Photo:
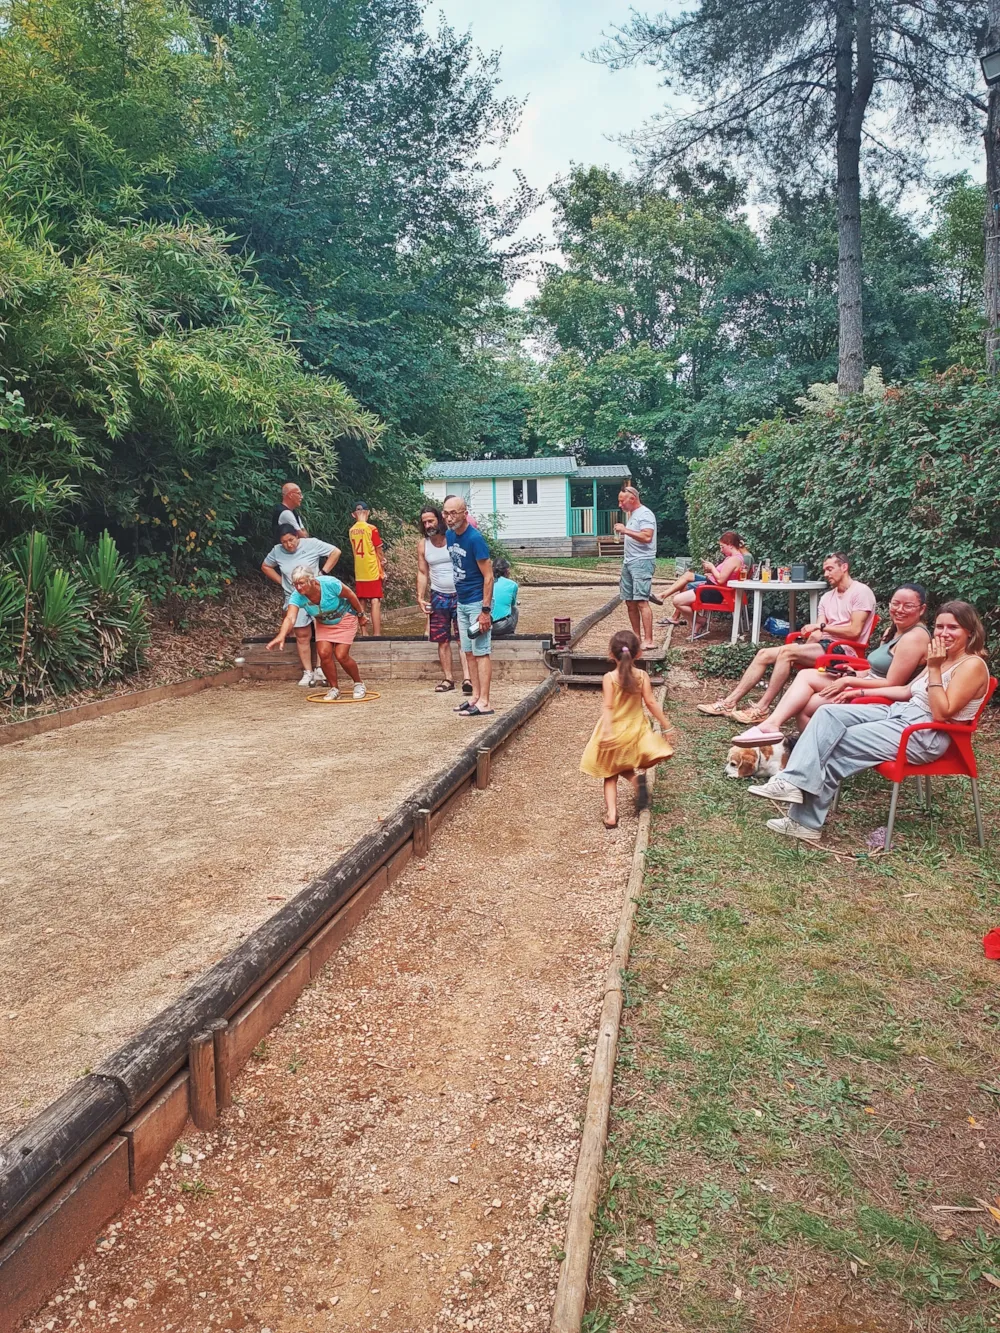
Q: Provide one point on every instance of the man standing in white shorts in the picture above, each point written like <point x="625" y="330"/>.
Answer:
<point x="638" y="563"/>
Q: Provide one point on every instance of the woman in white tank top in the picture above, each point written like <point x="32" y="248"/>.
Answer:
<point x="846" y="738"/>
<point x="436" y="596"/>
<point x="440" y="567"/>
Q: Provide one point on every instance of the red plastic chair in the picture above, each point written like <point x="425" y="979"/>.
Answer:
<point x="721" y="599"/>
<point x="958" y="760"/>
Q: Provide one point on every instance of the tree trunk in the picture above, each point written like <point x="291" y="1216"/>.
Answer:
<point x="851" y="366"/>
<point x="991" y="275"/>
<point x="854" y="81"/>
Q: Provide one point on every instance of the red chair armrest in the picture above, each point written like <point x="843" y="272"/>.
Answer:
<point x="858" y="649"/>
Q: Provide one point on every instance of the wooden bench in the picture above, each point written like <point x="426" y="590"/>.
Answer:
<point x="609" y="546"/>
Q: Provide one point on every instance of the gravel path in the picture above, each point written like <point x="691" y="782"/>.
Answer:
<point x="400" y="1154"/>
<point x="138" y="849"/>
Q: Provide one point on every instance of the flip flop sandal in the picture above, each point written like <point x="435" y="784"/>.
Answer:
<point x="344" y="698"/>
<point x="444" y="687"/>
<point x="462" y="708"/>
<point x="759" y="736"/>
<point x="718" y="709"/>
<point x="677" y="621"/>
<point x="479" y="712"/>
<point x="466" y="686"/>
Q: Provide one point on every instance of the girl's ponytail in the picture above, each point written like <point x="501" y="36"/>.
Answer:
<point x="624" y="649"/>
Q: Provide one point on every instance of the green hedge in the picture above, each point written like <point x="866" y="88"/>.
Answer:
<point x="908" y="484"/>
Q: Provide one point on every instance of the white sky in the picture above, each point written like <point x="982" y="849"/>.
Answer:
<point x="575" y="108"/>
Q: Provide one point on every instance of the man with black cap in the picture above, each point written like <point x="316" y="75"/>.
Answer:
<point x="369" y="564"/>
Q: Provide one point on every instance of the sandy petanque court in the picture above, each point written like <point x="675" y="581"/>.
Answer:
<point x="140" y="848"/>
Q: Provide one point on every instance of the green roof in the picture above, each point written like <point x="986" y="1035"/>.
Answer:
<point x="501" y="467"/>
<point x="487" y="468"/>
<point x="602" y="472"/>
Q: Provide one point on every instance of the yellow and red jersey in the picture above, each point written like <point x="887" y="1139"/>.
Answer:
<point x="365" y="541"/>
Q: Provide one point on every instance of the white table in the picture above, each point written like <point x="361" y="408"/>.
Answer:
<point x="758" y="587"/>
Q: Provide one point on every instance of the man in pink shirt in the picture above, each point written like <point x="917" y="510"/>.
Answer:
<point x="845" y="612"/>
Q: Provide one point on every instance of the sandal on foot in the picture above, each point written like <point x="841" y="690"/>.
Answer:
<point x="760" y="735"/>
<point x="479" y="712"/>
<point x="466" y="686"/>
<point x="676" y="620"/>
<point x="444" y="687"/>
<point x="462" y="708"/>
<point x="718" y="709"/>
<point x="751" y="716"/>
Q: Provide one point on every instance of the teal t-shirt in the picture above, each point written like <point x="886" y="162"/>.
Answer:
<point x="333" y="606"/>
<point x="504" y="593"/>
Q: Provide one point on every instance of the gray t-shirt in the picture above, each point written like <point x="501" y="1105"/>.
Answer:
<point x="634" y="550"/>
<point x="310" y="552"/>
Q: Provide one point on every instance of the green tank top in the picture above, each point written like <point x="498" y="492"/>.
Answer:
<point x="880" y="658"/>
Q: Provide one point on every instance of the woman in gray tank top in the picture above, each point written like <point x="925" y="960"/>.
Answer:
<point x="897" y="659"/>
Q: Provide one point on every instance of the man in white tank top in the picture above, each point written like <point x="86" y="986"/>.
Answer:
<point x="436" y="595"/>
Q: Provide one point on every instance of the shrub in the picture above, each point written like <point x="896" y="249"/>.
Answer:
<point x="907" y="483"/>
<point x="728" y="660"/>
<point x="85" y="624"/>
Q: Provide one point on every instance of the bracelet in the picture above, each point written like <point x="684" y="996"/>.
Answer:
<point x="936" y="685"/>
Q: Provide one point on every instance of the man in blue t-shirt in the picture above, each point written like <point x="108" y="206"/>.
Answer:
<point x="470" y="557"/>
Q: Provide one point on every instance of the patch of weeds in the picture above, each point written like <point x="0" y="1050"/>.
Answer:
<point x="713" y="1314"/>
<point x="639" y="1264"/>
<point x="261" y="1052"/>
<point x="596" y="1321"/>
<point x="196" y="1187"/>
<point x="762" y="1277"/>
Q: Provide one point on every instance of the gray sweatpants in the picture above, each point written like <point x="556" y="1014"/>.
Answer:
<point x="842" y="739"/>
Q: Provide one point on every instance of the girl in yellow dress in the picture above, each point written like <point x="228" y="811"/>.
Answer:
<point x="623" y="741"/>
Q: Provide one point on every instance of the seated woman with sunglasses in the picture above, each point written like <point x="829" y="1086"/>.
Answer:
<point x="734" y="557"/>
<point x="839" y="742"/>
<point x="897" y="659"/>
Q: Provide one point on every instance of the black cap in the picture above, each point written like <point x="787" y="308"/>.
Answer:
<point x="360" y="504"/>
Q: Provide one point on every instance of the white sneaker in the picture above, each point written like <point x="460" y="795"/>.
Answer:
<point x="778" y="789"/>
<point x="359" y="690"/>
<point x="331" y="695"/>
<point x="318" y="677"/>
<point x="789" y="829"/>
<point x="307" y="678"/>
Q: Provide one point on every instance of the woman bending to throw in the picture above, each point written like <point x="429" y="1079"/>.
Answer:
<point x="845" y="740"/>
<point x="897" y="659"/>
<point x="337" y="615"/>
<point x="734" y="556"/>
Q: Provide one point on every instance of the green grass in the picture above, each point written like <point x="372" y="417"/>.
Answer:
<point x="807" y="1066"/>
<point x="664" y="565"/>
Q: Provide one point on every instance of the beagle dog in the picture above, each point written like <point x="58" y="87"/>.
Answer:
<point x="758" y="761"/>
